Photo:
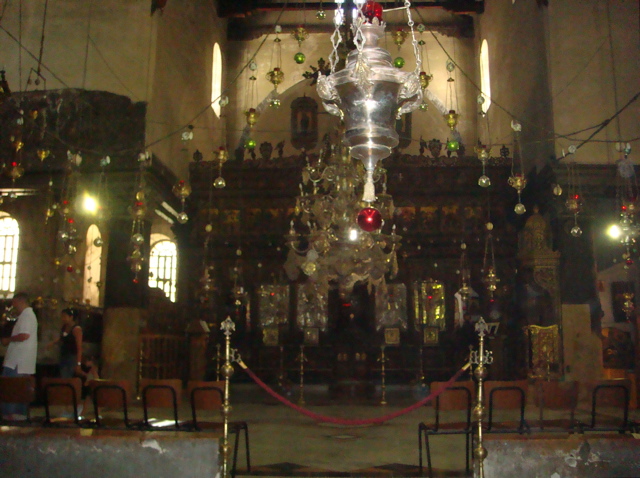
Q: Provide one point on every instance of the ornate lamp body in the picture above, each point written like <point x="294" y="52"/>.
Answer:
<point x="369" y="94"/>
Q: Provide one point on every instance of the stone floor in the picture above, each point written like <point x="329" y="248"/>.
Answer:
<point x="283" y="442"/>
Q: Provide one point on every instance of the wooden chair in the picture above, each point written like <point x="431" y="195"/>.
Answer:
<point x="457" y="397"/>
<point x="17" y="390"/>
<point x="556" y="395"/>
<point x="114" y="395"/>
<point x="507" y="395"/>
<point x="612" y="394"/>
<point x="210" y="396"/>
<point x="161" y="394"/>
<point x="64" y="392"/>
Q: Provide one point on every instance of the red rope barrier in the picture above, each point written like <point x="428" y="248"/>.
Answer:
<point x="344" y="421"/>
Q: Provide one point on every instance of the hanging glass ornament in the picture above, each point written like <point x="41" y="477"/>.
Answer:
<point x="299" y="58"/>
<point x="398" y="62"/>
<point x="369" y="219"/>
<point x="250" y="144"/>
<point x="182" y="190"/>
<point x="425" y="79"/>
<point x="275" y="77"/>
<point x="300" y="34"/>
<point x="321" y="14"/>
<point x="399" y="37"/>
<point x="274" y="103"/>
<point x="483" y="155"/>
<point x="557" y="190"/>
<point x="223" y="101"/>
<point x="452" y="145"/>
<point x="252" y="116"/>
<point x="222" y="157"/>
<point x="423" y="106"/>
<point x="518" y="182"/>
<point x="452" y="119"/>
<point x="43" y="154"/>
<point x="98" y="242"/>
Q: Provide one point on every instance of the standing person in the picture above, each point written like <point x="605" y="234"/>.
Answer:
<point x="20" y="358"/>
<point x="70" y="341"/>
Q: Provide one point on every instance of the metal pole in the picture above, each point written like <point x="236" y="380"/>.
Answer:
<point x="228" y="327"/>
<point x="481" y="358"/>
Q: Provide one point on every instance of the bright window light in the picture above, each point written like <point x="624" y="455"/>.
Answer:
<point x="485" y="78"/>
<point x="216" y="79"/>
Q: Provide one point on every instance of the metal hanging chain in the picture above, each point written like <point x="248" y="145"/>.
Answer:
<point x="44" y="23"/>
<point x="336" y="38"/>
<point x="414" y="41"/>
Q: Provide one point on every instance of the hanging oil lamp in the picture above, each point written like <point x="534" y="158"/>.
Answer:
<point x="182" y="190"/>
<point x="221" y="158"/>
<point x="369" y="93"/>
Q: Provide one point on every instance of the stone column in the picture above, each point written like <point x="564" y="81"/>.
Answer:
<point x="125" y="302"/>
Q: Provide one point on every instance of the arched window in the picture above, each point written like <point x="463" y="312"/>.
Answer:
<point x="92" y="267"/>
<point x="216" y="79"/>
<point x="162" y="267"/>
<point x="485" y="78"/>
<point x="9" y="242"/>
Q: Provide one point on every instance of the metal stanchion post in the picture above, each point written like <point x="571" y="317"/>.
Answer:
<point x="230" y="355"/>
<point x="481" y="359"/>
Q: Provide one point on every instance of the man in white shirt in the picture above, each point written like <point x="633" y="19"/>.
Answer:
<point x="20" y="358"/>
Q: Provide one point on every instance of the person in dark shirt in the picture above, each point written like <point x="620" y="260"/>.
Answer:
<point x="70" y="342"/>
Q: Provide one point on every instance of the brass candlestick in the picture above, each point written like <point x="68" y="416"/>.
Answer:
<point x="217" y="362"/>
<point x="481" y="359"/>
<point x="383" y="386"/>
<point x="281" y="373"/>
<point x="421" y="374"/>
<point x="302" y="360"/>
<point x="228" y="327"/>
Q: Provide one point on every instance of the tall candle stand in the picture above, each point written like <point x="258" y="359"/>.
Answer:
<point x="383" y="385"/>
<point x="218" y="357"/>
<point x="230" y="355"/>
<point x="480" y="358"/>
<point x="302" y="359"/>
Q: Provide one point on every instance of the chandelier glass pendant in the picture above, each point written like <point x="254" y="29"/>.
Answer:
<point x="370" y="92"/>
<point x="324" y="240"/>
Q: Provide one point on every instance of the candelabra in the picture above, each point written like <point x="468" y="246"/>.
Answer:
<point x="324" y="239"/>
<point x="481" y="358"/>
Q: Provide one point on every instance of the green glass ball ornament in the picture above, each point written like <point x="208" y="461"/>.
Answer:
<point x="423" y="107"/>
<point x="398" y="62"/>
<point x="299" y="58"/>
<point x="453" y="145"/>
<point x="250" y="144"/>
<point x="321" y="14"/>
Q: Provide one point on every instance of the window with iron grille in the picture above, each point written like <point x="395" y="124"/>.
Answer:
<point x="162" y="268"/>
<point x="9" y="242"/>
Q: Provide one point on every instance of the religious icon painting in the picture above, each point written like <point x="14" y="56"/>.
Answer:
<point x="392" y="336"/>
<point x="430" y="336"/>
<point x="270" y="336"/>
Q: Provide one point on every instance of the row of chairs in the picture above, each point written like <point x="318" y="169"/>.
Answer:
<point x="512" y="395"/>
<point x="115" y="397"/>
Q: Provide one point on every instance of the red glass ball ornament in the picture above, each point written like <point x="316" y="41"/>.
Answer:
<point x="69" y="268"/>
<point x="369" y="219"/>
<point x="135" y="280"/>
<point x="372" y="10"/>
